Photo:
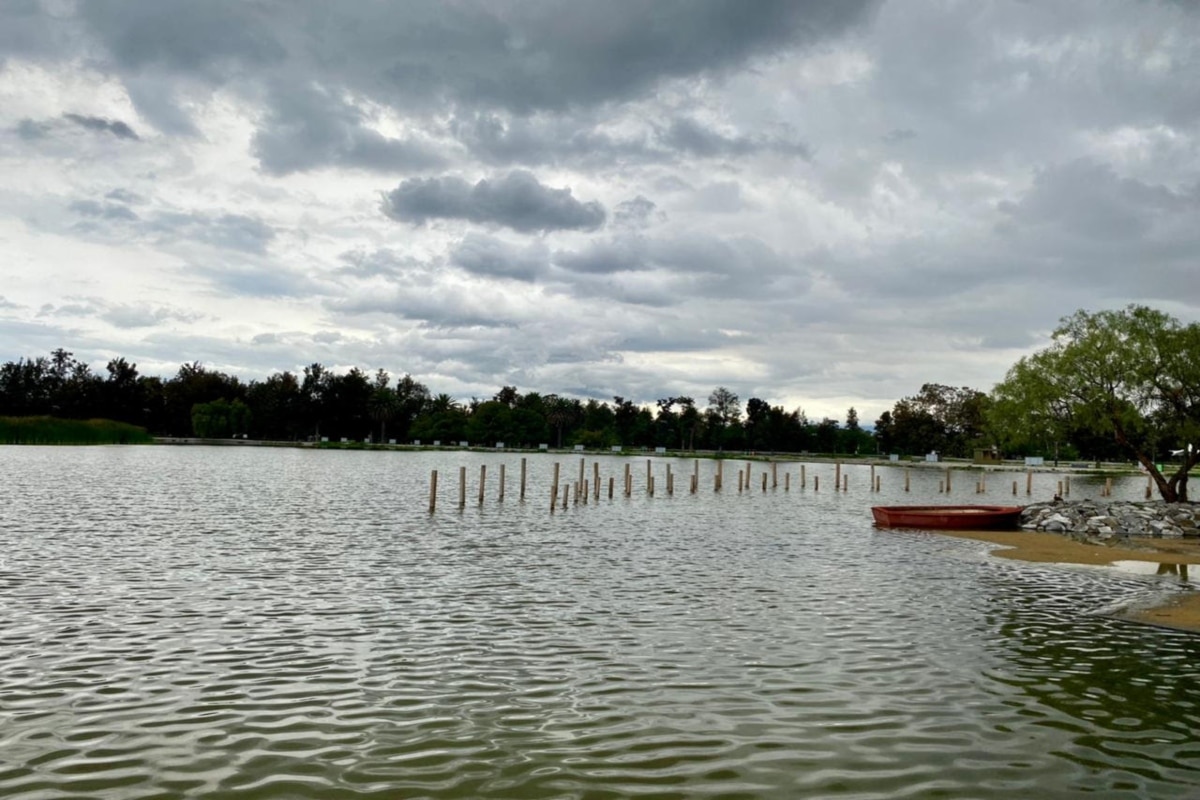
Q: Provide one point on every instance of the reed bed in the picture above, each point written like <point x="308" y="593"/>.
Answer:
<point x="52" y="430"/>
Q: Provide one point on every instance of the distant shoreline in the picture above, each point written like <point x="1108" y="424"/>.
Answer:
<point x="915" y="462"/>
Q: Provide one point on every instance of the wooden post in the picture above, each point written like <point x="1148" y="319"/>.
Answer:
<point x="482" y="481"/>
<point x="877" y="479"/>
<point x="845" y="483"/>
<point x="695" y="476"/>
<point x="432" y="491"/>
<point x="554" y="487"/>
<point x="650" y="485"/>
<point x="764" y="481"/>
<point x="837" y="475"/>
<point x="1014" y="488"/>
<point x="566" y="495"/>
<point x="873" y="479"/>
<point x="584" y="498"/>
<point x="596" y="477"/>
<point x="816" y="482"/>
<point x="947" y="479"/>
<point x="462" y="487"/>
<point x="611" y="482"/>
<point x="500" y="496"/>
<point x="582" y="465"/>
<point x="774" y="475"/>
<point x="906" y="479"/>
<point x="749" y="475"/>
<point x="787" y="481"/>
<point x="628" y="481"/>
<point x="741" y="480"/>
<point x="522" y="480"/>
<point x="1060" y="489"/>
<point x="803" y="479"/>
<point x="1029" y="481"/>
<point x="1067" y="482"/>
<point x="719" y="475"/>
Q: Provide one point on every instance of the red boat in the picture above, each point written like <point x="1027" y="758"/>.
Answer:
<point x="954" y="518"/>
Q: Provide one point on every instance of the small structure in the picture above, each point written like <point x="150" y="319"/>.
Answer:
<point x="989" y="455"/>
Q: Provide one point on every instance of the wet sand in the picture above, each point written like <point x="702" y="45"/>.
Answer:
<point x="1183" y="611"/>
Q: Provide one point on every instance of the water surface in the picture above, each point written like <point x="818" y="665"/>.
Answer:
<point x="263" y="623"/>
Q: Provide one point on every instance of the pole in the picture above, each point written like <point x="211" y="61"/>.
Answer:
<point x="432" y="491"/>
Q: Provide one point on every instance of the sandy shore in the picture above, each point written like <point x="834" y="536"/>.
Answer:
<point x="1182" y="612"/>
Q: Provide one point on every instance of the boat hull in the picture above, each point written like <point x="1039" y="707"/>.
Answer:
<point x="957" y="518"/>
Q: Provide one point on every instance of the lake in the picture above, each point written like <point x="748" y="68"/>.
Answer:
<point x="240" y="622"/>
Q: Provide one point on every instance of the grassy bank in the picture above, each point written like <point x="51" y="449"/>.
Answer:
<point x="51" y="430"/>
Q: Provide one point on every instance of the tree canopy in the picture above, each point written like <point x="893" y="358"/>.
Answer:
<point x="1132" y="376"/>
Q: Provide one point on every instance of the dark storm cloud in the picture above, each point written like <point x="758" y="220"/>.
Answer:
<point x="214" y="38"/>
<point x="518" y="201"/>
<point x="523" y="58"/>
<point x="309" y="128"/>
<point x="114" y="126"/>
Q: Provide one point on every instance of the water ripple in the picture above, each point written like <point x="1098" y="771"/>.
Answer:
<point x="240" y="623"/>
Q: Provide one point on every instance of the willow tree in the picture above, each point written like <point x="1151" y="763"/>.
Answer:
<point x="1132" y="375"/>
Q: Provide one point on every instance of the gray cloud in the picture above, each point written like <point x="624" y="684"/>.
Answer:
<point x="691" y="137"/>
<point x="639" y="212"/>
<point x="114" y="126"/>
<point x="310" y="128"/>
<point x="31" y="130"/>
<point x="484" y="255"/>
<point x="127" y="315"/>
<point x="517" y="200"/>
<point x="1086" y="199"/>
<point x="109" y="211"/>
<point x="226" y="231"/>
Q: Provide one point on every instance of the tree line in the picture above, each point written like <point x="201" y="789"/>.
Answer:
<point x="1111" y="385"/>
<point x="319" y="403"/>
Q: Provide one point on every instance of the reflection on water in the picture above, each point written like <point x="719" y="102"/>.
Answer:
<point x="238" y="623"/>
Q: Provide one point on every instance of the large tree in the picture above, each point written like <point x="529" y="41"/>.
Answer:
<point x="1132" y="375"/>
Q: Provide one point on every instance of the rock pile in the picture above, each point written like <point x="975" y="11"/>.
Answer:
<point x="1104" y="522"/>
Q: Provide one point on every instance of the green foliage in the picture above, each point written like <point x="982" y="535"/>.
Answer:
<point x="1131" y="377"/>
<point x="947" y="419"/>
<point x="52" y="430"/>
<point x="220" y="419"/>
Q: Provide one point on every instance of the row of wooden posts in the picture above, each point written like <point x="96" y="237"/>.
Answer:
<point x="582" y="488"/>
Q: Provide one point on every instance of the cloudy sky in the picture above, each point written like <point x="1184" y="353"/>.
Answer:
<point x="821" y="204"/>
